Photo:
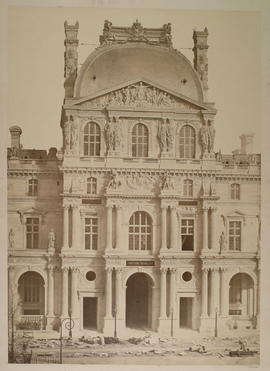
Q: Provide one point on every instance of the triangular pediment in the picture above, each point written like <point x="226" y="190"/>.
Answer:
<point x="141" y="93"/>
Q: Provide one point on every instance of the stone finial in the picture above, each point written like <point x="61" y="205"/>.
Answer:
<point x="200" y="56"/>
<point x="71" y="57"/>
<point x="15" y="132"/>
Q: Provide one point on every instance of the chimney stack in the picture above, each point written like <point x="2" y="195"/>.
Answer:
<point x="246" y="143"/>
<point x="15" y="132"/>
<point x="200" y="57"/>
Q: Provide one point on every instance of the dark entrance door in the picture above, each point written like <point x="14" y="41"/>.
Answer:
<point x="138" y="301"/>
<point x="90" y="313"/>
<point x="186" y="312"/>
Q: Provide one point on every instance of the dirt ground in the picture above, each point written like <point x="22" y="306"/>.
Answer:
<point x="144" y="350"/>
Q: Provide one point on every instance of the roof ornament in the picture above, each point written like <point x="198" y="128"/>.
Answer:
<point x="137" y="32"/>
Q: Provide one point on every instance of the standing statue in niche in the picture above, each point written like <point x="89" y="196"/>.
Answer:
<point x="51" y="239"/>
<point x="204" y="138"/>
<point x="211" y="136"/>
<point x="11" y="238"/>
<point x="222" y="242"/>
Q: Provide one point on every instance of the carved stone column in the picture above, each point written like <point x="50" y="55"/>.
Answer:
<point x="213" y="242"/>
<point x="74" y="295"/>
<point x="109" y="228"/>
<point x="164" y="227"/>
<point x="205" y="228"/>
<point x="215" y="290"/>
<point x="173" y="228"/>
<point x="205" y="292"/>
<point x="65" y="292"/>
<point x="257" y="294"/>
<point x="66" y="227"/>
<point x="108" y="292"/>
<point x="118" y="227"/>
<point x="118" y="292"/>
<point x="224" y="293"/>
<point x="75" y="221"/>
<point x="172" y="290"/>
<point x="50" y="292"/>
<point x="163" y="294"/>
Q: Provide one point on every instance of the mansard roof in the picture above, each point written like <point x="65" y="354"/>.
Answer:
<point x="127" y="58"/>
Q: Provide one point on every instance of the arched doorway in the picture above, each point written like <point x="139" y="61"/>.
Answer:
<point x="32" y="293"/>
<point x="139" y="301"/>
<point x="241" y="296"/>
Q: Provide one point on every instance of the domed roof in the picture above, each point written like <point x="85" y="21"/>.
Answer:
<point x="109" y="66"/>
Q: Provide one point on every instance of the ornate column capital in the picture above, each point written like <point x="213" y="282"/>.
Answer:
<point x="75" y="269"/>
<point x="163" y="270"/>
<point x="173" y="270"/>
<point x="205" y="269"/>
<point x="109" y="270"/>
<point x="65" y="269"/>
<point x="119" y="270"/>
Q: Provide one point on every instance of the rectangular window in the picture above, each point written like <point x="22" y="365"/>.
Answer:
<point x="91" y="233"/>
<point x="235" y="236"/>
<point x="32" y="187"/>
<point x="187" y="234"/>
<point x="32" y="233"/>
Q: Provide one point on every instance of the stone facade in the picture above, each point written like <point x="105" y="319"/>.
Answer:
<point x="136" y="221"/>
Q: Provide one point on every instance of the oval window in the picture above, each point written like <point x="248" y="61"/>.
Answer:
<point x="187" y="276"/>
<point x="90" y="276"/>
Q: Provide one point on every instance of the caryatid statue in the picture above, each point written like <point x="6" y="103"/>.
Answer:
<point x="67" y="132"/>
<point x="211" y="136"/>
<point x="165" y="135"/>
<point x="73" y="133"/>
<point x="204" y="138"/>
<point x="113" y="134"/>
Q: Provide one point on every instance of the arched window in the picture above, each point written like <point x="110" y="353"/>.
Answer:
<point x="235" y="191"/>
<point x="31" y="289"/>
<point x="91" y="186"/>
<point x="140" y="231"/>
<point x="188" y="188"/>
<point x="91" y="140"/>
<point x="139" y="141"/>
<point x="187" y="142"/>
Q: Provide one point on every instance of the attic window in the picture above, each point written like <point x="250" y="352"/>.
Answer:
<point x="94" y="77"/>
<point x="184" y="81"/>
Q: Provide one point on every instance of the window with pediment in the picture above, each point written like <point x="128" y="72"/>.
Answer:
<point x="140" y="231"/>
<point x="91" y="186"/>
<point x="140" y="140"/>
<point x="188" y="188"/>
<point x="187" y="140"/>
<point x="91" y="139"/>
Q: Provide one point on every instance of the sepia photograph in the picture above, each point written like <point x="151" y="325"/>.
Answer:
<point x="133" y="162"/>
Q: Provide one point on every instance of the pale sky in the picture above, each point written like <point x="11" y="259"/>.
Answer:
<point x="36" y="65"/>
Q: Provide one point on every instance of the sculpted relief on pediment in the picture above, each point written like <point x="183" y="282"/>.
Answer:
<point x="139" y="95"/>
